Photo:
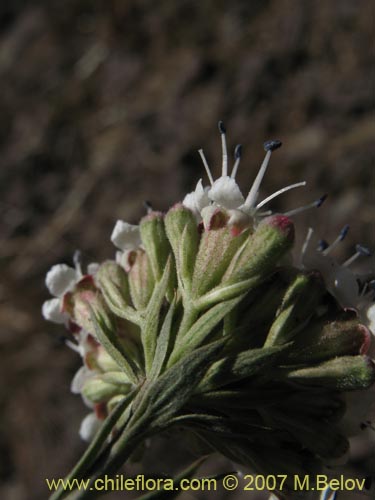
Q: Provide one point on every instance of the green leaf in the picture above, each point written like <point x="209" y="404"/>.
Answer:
<point x="118" y="305"/>
<point x="346" y="373"/>
<point x="166" y="396"/>
<point x="300" y="301"/>
<point x="202" y="329"/>
<point x="242" y="365"/>
<point x="106" y="333"/>
<point x="163" y="343"/>
<point x="227" y="292"/>
<point x="150" y="324"/>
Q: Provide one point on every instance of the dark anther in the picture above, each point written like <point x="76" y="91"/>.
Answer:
<point x="322" y="245"/>
<point x="344" y="231"/>
<point x="366" y="252"/>
<point x="321" y="200"/>
<point x="222" y="128"/>
<point x="238" y="151"/>
<point x="272" y="145"/>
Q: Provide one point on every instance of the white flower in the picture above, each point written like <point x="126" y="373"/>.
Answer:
<point x="79" y="379"/>
<point x="224" y="192"/>
<point x="126" y="236"/>
<point x="197" y="200"/>
<point x="340" y="280"/>
<point x="89" y="427"/>
<point x="60" y="279"/>
<point x="51" y="310"/>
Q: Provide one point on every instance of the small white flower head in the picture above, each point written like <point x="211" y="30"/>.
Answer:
<point x="224" y="192"/>
<point x="60" y="280"/>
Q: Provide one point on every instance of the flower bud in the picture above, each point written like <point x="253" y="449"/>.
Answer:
<point x="345" y="373"/>
<point x="155" y="242"/>
<point x="273" y="237"/>
<point x="141" y="280"/>
<point x="216" y="250"/>
<point x="324" y="340"/>
<point x="104" y="362"/>
<point x="113" y="278"/>
<point x="101" y="388"/>
<point x="299" y="302"/>
<point x="182" y="231"/>
<point x="85" y="301"/>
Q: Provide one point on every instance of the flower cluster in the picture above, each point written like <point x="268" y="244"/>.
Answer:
<point x="203" y="322"/>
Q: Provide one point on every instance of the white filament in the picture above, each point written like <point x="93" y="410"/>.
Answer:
<point x="208" y="171"/>
<point x="279" y="192"/>
<point x="252" y="196"/>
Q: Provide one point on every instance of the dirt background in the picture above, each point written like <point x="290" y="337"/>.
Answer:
<point x="103" y="105"/>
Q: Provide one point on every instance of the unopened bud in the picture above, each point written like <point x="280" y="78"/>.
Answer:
<point x="155" y="242"/>
<point x="101" y="388"/>
<point x="141" y="280"/>
<point x="272" y="239"/>
<point x="299" y="302"/>
<point x="182" y="231"/>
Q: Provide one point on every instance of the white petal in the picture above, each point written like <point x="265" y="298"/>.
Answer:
<point x="51" y="311"/>
<point x="126" y="236"/>
<point x="198" y="199"/>
<point x="89" y="426"/>
<point x="189" y="202"/>
<point x="60" y="279"/>
<point x="225" y="192"/>
<point x="79" y="379"/>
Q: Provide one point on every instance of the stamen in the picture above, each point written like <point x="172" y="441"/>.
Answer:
<point x="322" y="245"/>
<point x="315" y="204"/>
<point x="269" y="146"/>
<point x="306" y="243"/>
<point x="272" y="145"/>
<point x="222" y="130"/>
<point x="208" y="171"/>
<point x="280" y="191"/>
<point x="361" y="251"/>
<point x="237" y="157"/>
<point x="344" y="231"/>
<point x="74" y="347"/>
<point x="77" y="262"/>
<point x="148" y="206"/>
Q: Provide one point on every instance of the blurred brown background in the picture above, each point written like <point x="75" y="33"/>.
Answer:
<point x="103" y="105"/>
